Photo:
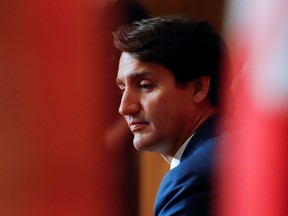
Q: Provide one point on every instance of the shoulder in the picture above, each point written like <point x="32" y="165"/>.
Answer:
<point x="199" y="160"/>
<point x="187" y="187"/>
<point x="198" y="163"/>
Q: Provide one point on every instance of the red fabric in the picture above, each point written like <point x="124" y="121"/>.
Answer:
<point x="253" y="179"/>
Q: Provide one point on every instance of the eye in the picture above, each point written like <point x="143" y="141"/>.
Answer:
<point x="145" y="85"/>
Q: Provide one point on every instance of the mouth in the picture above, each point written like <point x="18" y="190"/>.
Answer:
<point x="137" y="126"/>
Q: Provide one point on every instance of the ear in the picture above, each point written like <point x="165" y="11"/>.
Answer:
<point x="201" y="88"/>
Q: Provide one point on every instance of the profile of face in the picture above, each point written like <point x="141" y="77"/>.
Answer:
<point x="157" y="111"/>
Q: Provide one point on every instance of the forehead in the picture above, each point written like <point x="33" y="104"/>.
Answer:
<point x="131" y="68"/>
<point x="127" y="64"/>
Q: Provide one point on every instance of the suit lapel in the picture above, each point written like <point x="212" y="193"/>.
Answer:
<point x="204" y="132"/>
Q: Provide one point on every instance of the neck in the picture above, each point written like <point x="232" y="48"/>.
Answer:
<point x="167" y="158"/>
<point x="192" y="129"/>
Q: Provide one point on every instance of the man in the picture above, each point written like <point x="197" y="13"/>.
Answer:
<point x="168" y="74"/>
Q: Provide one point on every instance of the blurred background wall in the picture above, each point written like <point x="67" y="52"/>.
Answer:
<point x="206" y="9"/>
<point x="64" y="150"/>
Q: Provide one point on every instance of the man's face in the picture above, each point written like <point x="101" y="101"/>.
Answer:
<point x="155" y="108"/>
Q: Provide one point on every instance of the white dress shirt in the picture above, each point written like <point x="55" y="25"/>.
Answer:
<point x="177" y="157"/>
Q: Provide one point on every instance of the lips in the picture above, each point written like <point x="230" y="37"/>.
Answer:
<point x="137" y="125"/>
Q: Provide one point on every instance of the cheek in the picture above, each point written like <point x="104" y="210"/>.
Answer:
<point x="164" y="106"/>
<point x="155" y="106"/>
<point x="161" y="110"/>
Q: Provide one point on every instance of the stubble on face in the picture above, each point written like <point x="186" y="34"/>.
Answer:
<point x="163" y="107"/>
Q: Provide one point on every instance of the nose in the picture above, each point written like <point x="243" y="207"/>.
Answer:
<point x="130" y="104"/>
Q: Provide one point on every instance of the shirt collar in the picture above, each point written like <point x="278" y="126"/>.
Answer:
<point x="177" y="157"/>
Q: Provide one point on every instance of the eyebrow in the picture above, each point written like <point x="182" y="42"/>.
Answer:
<point x="134" y="76"/>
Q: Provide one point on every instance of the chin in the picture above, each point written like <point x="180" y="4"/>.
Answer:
<point x="142" y="144"/>
<point x="146" y="144"/>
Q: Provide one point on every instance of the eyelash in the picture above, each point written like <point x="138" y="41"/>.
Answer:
<point x="145" y="86"/>
<point x="141" y="87"/>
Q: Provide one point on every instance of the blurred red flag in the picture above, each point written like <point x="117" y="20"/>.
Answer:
<point x="53" y="110"/>
<point x="253" y="179"/>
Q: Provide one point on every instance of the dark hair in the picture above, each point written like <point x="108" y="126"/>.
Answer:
<point x="189" y="49"/>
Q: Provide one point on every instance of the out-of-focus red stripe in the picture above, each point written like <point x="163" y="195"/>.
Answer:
<point x="253" y="177"/>
<point x="52" y="109"/>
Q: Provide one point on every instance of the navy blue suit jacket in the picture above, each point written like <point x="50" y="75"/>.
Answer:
<point x="186" y="189"/>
